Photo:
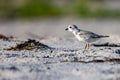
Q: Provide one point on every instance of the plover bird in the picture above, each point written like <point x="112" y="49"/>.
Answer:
<point x="85" y="36"/>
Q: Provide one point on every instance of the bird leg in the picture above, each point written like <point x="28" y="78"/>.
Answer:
<point x="86" y="47"/>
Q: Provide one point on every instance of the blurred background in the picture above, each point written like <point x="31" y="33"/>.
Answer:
<point x="51" y="17"/>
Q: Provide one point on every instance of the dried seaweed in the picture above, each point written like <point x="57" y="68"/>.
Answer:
<point x="29" y="45"/>
<point x="107" y="45"/>
<point x="96" y="61"/>
<point x="3" y="37"/>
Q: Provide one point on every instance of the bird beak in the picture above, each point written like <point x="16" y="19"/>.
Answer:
<point x="66" y="29"/>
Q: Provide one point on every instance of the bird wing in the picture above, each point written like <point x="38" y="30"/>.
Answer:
<point x="88" y="34"/>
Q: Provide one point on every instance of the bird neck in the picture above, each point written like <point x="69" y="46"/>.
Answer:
<point x="76" y="31"/>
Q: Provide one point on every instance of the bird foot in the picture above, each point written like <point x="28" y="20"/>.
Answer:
<point x="79" y="51"/>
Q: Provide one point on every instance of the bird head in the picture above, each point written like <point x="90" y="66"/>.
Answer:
<point x="72" y="28"/>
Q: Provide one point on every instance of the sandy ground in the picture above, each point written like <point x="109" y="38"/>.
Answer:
<point x="64" y="59"/>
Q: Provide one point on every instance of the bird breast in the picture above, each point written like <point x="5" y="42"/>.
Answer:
<point x="79" y="38"/>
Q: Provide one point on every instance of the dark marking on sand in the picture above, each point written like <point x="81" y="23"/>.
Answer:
<point x="117" y="60"/>
<point x="107" y="45"/>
